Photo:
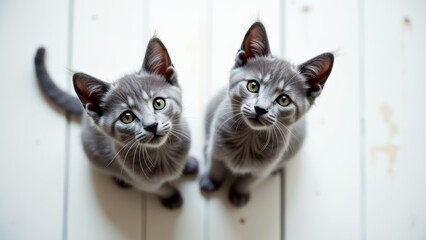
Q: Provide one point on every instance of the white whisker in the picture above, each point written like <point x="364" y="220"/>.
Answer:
<point x="125" y="156"/>
<point x="127" y="143"/>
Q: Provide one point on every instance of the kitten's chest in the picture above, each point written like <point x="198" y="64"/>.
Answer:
<point x="153" y="165"/>
<point x="244" y="152"/>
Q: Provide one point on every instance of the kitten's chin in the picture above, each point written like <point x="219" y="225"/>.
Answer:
<point x="256" y="124"/>
<point x="156" y="141"/>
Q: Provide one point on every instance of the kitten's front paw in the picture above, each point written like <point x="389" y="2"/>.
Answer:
<point x="238" y="199"/>
<point x="173" y="202"/>
<point x="121" y="184"/>
<point x="191" y="166"/>
<point x="277" y="171"/>
<point x="207" y="184"/>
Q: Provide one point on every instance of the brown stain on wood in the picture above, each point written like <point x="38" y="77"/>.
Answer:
<point x="387" y="117"/>
<point x="389" y="149"/>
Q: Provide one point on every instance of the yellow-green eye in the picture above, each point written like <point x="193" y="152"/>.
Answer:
<point x="284" y="100"/>
<point x="159" y="103"/>
<point x="253" y="86"/>
<point x="127" y="117"/>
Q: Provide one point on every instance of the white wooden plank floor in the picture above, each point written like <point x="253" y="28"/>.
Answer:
<point x="327" y="186"/>
<point x="358" y="176"/>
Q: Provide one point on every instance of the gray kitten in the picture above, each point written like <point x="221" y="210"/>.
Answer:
<point x="132" y="129"/>
<point x="259" y="124"/>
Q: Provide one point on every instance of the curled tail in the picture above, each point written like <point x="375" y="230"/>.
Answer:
<point x="64" y="100"/>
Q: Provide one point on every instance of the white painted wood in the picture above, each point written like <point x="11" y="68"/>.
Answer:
<point x="32" y="139"/>
<point x="183" y="28"/>
<point x="322" y="198"/>
<point x="107" y="43"/>
<point x="261" y="218"/>
<point x="395" y="55"/>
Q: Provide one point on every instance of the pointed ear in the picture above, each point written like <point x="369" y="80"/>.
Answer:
<point x="255" y="44"/>
<point x="90" y="91"/>
<point x="316" y="72"/>
<point x="157" y="61"/>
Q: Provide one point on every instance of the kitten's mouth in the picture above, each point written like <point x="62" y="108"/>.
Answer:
<point x="255" y="121"/>
<point x="152" y="140"/>
<point x="256" y="124"/>
<point x="157" y="140"/>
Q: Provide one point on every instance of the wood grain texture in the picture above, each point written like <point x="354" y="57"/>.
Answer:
<point x="395" y="54"/>
<point x="31" y="160"/>
<point x="323" y="181"/>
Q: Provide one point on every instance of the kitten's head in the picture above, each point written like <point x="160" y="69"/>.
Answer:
<point x="140" y="107"/>
<point x="270" y="91"/>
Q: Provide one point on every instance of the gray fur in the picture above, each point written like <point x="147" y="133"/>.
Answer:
<point x="125" y="150"/>
<point x="56" y="95"/>
<point x="146" y="159"/>
<point x="250" y="145"/>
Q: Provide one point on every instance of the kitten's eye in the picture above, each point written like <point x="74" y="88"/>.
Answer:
<point x="159" y="103"/>
<point x="284" y="100"/>
<point x="253" y="86"/>
<point x="127" y="117"/>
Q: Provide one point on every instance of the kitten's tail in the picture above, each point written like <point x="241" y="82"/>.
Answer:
<point x="64" y="100"/>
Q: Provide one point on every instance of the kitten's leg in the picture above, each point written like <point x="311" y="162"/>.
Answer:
<point x="121" y="183"/>
<point x="213" y="178"/>
<point x="191" y="166"/>
<point x="279" y="168"/>
<point x="169" y="196"/>
<point x="239" y="193"/>
<point x="277" y="171"/>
